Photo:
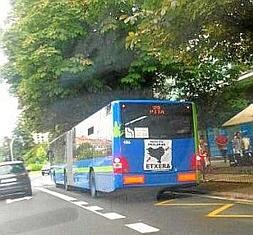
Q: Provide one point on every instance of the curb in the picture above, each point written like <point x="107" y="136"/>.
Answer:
<point x="221" y="196"/>
<point x="229" y="178"/>
<point x="229" y="195"/>
<point x="241" y="190"/>
<point x="233" y="195"/>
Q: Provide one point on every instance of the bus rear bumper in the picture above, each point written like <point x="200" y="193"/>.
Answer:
<point x="149" y="192"/>
<point x="161" y="187"/>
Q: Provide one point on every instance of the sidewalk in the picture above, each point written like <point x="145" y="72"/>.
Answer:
<point x="223" y="172"/>
<point x="228" y="181"/>
<point x="228" y="190"/>
<point x="230" y="178"/>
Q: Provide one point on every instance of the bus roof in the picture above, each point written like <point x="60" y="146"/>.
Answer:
<point x="151" y="101"/>
<point x="154" y="101"/>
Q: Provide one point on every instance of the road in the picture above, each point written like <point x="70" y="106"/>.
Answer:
<point x="55" y="211"/>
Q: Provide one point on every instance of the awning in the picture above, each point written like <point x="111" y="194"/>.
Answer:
<point x="243" y="117"/>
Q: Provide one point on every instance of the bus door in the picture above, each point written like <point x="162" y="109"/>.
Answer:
<point x="68" y="177"/>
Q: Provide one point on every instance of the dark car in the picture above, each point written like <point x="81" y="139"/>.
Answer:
<point x="14" y="179"/>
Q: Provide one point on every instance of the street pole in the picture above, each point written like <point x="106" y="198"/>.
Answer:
<point x="11" y="149"/>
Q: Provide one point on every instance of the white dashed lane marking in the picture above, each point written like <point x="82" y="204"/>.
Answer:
<point x="94" y="208"/>
<point x="59" y="195"/>
<point x="113" y="216"/>
<point x="8" y="201"/>
<point x="80" y="203"/>
<point x="139" y="227"/>
<point x="142" y="228"/>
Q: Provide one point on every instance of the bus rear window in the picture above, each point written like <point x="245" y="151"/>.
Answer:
<point x="157" y="121"/>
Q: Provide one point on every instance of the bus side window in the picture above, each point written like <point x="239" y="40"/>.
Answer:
<point x="91" y="130"/>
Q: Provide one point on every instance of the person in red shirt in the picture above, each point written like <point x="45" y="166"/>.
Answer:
<point x="222" y="141"/>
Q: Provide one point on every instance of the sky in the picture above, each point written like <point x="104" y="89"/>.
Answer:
<point x="8" y="104"/>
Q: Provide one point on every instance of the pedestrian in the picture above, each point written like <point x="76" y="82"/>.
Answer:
<point x="222" y="142"/>
<point x="247" y="149"/>
<point x="237" y="147"/>
<point x="246" y="145"/>
<point x="204" y="155"/>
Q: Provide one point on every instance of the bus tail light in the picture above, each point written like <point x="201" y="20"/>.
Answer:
<point x="133" y="179"/>
<point x="186" y="177"/>
<point x="120" y="165"/>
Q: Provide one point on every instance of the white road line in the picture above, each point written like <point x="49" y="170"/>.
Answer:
<point x="94" y="208"/>
<point x="59" y="195"/>
<point x="8" y="201"/>
<point x="142" y="228"/>
<point x="113" y="216"/>
<point x="80" y="203"/>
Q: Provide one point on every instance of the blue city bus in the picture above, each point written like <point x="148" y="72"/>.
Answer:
<point x="129" y="144"/>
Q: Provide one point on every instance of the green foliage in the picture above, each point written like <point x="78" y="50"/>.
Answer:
<point x="142" y="72"/>
<point x="36" y="155"/>
<point x="163" y="27"/>
<point x="37" y="44"/>
<point x="34" y="166"/>
<point x="23" y="141"/>
<point x="5" y="149"/>
<point x="198" y="48"/>
<point x="84" y="151"/>
<point x="56" y="50"/>
<point x="189" y="49"/>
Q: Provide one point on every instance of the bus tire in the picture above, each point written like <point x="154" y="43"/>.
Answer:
<point x="165" y="195"/>
<point x="66" y="186"/>
<point x="92" y="183"/>
<point x="59" y="186"/>
<point x="53" y="177"/>
<point x="160" y="195"/>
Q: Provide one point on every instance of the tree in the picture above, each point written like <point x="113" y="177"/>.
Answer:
<point x="85" y="150"/>
<point x="36" y="156"/>
<point x="23" y="139"/>
<point x="5" y="150"/>
<point x="165" y="28"/>
<point x="199" y="47"/>
<point x="54" y="55"/>
<point x="194" y="49"/>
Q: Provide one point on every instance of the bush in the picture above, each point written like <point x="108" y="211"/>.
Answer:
<point x="35" y="166"/>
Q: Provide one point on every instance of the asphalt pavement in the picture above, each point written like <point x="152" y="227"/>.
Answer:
<point x="56" y="211"/>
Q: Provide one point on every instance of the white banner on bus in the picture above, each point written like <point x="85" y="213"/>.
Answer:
<point x="138" y="132"/>
<point x="129" y="133"/>
<point x="157" y="154"/>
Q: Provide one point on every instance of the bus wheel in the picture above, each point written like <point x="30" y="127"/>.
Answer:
<point x="66" y="186"/>
<point x="165" y="195"/>
<point x="92" y="182"/>
<point x="53" y="177"/>
<point x="159" y="195"/>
